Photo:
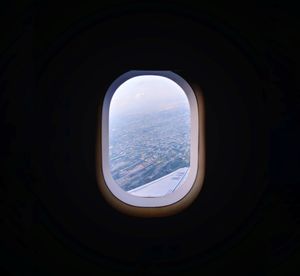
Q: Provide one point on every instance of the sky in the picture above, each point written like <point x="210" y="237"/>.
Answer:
<point x="146" y="94"/>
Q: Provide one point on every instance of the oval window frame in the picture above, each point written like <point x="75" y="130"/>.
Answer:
<point x="188" y="190"/>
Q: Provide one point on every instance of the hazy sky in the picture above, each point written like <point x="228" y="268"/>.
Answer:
<point x="144" y="94"/>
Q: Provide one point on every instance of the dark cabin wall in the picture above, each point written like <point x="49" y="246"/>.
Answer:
<point x="58" y="62"/>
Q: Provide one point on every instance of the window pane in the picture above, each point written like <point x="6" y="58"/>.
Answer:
<point x="149" y="136"/>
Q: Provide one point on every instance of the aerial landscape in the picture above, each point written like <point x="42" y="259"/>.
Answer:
<point x="146" y="147"/>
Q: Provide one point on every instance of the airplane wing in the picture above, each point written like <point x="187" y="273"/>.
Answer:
<point x="162" y="186"/>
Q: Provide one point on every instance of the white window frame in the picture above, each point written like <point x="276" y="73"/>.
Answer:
<point x="189" y="181"/>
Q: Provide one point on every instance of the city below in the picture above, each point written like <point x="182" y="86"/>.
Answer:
<point x="147" y="147"/>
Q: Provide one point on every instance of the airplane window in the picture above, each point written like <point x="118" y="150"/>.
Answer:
<point x="149" y="138"/>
